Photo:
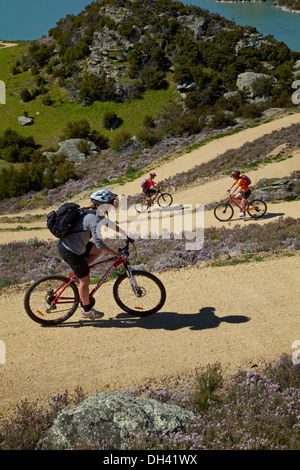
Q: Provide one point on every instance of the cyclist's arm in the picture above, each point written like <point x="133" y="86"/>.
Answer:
<point x="231" y="192"/>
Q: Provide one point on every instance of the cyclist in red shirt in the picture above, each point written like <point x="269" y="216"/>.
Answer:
<point x="150" y="184"/>
<point x="244" y="192"/>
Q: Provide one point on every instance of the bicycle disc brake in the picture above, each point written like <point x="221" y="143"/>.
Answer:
<point x="49" y="304"/>
<point x="138" y="291"/>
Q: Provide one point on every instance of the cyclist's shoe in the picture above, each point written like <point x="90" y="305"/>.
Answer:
<point x="91" y="314"/>
<point x="242" y="214"/>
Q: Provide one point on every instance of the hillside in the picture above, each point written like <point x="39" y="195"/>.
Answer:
<point x="116" y="50"/>
<point x="172" y="74"/>
<point x="130" y="76"/>
<point x="209" y="315"/>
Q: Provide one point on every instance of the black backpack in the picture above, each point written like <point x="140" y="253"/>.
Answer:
<point x="61" y="222"/>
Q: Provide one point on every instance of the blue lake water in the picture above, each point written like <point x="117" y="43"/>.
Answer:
<point x="267" y="19"/>
<point x="32" y="19"/>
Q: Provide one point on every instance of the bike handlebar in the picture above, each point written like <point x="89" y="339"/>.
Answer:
<point x="125" y="249"/>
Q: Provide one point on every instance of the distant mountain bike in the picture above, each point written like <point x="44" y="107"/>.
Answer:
<point x="224" y="211"/>
<point x="52" y="299"/>
<point x="144" y="203"/>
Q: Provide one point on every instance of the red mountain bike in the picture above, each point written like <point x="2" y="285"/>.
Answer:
<point x="144" y="203"/>
<point x="224" y="211"/>
<point x="52" y="299"/>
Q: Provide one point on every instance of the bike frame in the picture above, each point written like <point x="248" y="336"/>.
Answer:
<point x="149" y="200"/>
<point x="234" y="199"/>
<point x="117" y="262"/>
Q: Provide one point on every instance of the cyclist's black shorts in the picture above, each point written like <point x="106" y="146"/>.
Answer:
<point x="245" y="194"/>
<point x="76" y="262"/>
<point x="148" y="192"/>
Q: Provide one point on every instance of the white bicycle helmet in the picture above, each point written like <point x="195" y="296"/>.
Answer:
<point x="103" y="196"/>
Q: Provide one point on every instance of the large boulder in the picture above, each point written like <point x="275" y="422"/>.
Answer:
<point x="70" y="149"/>
<point x="114" y="416"/>
<point x="25" y="121"/>
<point x="245" y="82"/>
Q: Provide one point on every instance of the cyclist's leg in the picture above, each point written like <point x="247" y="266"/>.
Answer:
<point x="240" y="197"/>
<point x="92" y="253"/>
<point x="244" y="203"/>
<point x="147" y="194"/>
<point x="152" y="194"/>
<point x="245" y="196"/>
<point x="83" y="289"/>
<point x="79" y="265"/>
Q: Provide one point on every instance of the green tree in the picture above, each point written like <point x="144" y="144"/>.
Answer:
<point x="79" y="129"/>
<point x="95" y="88"/>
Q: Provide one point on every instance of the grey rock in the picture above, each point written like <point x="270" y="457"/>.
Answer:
<point x="251" y="41"/>
<point x="25" y="121"/>
<point x="114" y="416"/>
<point x="70" y="149"/>
<point x="297" y="65"/>
<point x="246" y="80"/>
<point x="186" y="87"/>
<point x="197" y="25"/>
<point x="283" y="189"/>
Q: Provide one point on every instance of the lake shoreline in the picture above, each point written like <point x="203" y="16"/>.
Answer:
<point x="283" y="8"/>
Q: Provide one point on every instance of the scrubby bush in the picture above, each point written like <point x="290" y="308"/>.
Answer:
<point x="15" y="148"/>
<point x="108" y="119"/>
<point x="94" y="88"/>
<point x="79" y="129"/>
<point x="120" y="139"/>
<point x="26" y="95"/>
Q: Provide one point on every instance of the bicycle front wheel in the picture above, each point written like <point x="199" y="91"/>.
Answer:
<point x="141" y="294"/>
<point x="165" y="200"/>
<point x="256" y="208"/>
<point x="223" y="212"/>
<point x="141" y="205"/>
<point x="51" y="299"/>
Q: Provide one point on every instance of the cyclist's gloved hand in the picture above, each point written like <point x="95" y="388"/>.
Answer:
<point x="228" y="190"/>
<point x="131" y="240"/>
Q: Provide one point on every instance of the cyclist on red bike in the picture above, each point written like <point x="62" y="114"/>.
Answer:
<point x="149" y="186"/>
<point x="243" y="182"/>
<point x="79" y="252"/>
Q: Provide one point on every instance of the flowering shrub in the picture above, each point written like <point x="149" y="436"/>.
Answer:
<point x="25" y="261"/>
<point x="254" y="412"/>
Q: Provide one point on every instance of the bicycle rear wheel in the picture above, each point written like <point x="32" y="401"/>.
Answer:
<point x="141" y="205"/>
<point x="223" y="212"/>
<point x="165" y="200"/>
<point x="50" y="300"/>
<point x="142" y="294"/>
<point x="256" y="208"/>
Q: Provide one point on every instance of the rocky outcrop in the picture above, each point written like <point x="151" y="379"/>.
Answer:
<point x="283" y="189"/>
<point x="195" y="24"/>
<point x="114" y="417"/>
<point x="70" y="148"/>
<point x="251" y="41"/>
<point x="246" y="82"/>
<point x="106" y="53"/>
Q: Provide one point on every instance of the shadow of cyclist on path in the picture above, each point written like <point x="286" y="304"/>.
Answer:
<point x="170" y="321"/>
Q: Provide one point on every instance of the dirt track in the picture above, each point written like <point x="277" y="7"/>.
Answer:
<point x="209" y="314"/>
